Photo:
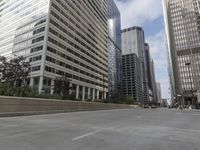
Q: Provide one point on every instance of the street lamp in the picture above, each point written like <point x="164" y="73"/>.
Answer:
<point x="190" y="76"/>
<point x="179" y="96"/>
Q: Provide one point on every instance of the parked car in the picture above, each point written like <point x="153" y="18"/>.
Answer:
<point x="153" y="106"/>
<point x="198" y="106"/>
<point x="146" y="106"/>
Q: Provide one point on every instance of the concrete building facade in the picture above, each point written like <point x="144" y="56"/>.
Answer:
<point x="133" y="42"/>
<point x="60" y="38"/>
<point x="132" y="78"/>
<point x="182" y="22"/>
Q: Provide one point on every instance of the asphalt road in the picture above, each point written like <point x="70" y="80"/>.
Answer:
<point x="135" y="129"/>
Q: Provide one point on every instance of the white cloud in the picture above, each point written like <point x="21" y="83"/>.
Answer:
<point x="137" y="12"/>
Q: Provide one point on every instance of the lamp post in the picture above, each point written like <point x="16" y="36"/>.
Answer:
<point x="188" y="64"/>
<point x="179" y="96"/>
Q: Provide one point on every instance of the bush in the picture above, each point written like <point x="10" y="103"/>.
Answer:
<point x="127" y="100"/>
<point x="8" y="90"/>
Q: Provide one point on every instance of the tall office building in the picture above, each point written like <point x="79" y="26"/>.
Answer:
<point x="60" y="38"/>
<point x="114" y="51"/>
<point x="182" y="22"/>
<point x="132" y="78"/>
<point x="159" y="95"/>
<point x="150" y="72"/>
<point x="133" y="42"/>
<point x="114" y="23"/>
<point x="155" y="98"/>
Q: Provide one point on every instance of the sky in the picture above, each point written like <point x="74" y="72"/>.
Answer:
<point x="149" y="15"/>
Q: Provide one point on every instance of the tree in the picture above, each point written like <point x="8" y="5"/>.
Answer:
<point x="15" y="71"/>
<point x="62" y="86"/>
<point x="129" y="100"/>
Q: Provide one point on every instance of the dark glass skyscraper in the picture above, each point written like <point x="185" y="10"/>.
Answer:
<point x="114" y="50"/>
<point x="150" y="74"/>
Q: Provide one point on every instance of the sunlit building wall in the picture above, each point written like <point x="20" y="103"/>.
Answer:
<point x="14" y="14"/>
<point x="60" y="38"/>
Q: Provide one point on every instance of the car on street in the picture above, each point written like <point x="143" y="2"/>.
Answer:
<point x="146" y="106"/>
<point x="153" y="106"/>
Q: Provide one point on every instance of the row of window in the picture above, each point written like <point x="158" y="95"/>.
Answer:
<point x="36" y="49"/>
<point x="77" y="10"/>
<point x="38" y="39"/>
<point x="62" y="73"/>
<point x="63" y="29"/>
<point x="54" y="51"/>
<point x="35" y="68"/>
<point x="28" y="27"/>
<point x="72" y="21"/>
<point x="36" y="58"/>
<point x="77" y="47"/>
<point x="39" y="30"/>
<point x="63" y="64"/>
<point x="78" y="26"/>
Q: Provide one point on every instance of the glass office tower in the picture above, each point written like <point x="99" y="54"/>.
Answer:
<point x="59" y="38"/>
<point x="150" y="74"/>
<point x="114" y="50"/>
<point x="16" y="18"/>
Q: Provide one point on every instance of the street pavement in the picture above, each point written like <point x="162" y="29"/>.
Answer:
<point x="131" y="129"/>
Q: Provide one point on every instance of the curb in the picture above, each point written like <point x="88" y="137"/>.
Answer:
<point x="18" y="114"/>
<point x="34" y="113"/>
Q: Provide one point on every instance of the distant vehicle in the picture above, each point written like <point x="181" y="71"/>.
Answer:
<point x="198" y="106"/>
<point x="153" y="106"/>
<point x="146" y="106"/>
<point x="170" y="106"/>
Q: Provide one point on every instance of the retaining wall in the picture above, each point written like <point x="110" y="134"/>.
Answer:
<point x="18" y="104"/>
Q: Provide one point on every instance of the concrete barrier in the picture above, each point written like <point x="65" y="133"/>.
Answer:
<point x="23" y="106"/>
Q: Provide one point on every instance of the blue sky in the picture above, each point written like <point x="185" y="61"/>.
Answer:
<point x="149" y="15"/>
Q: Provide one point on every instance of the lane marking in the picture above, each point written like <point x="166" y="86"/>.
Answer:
<point x="86" y="135"/>
<point x="195" y="114"/>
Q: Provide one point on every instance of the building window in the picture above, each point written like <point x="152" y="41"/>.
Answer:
<point x="38" y="39"/>
<point x="35" y="68"/>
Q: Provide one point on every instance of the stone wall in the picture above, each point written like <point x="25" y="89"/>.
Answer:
<point x="17" y="104"/>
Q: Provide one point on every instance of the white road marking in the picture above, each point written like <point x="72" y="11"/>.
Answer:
<point x="195" y="114"/>
<point x="86" y="135"/>
<point x="179" y="113"/>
